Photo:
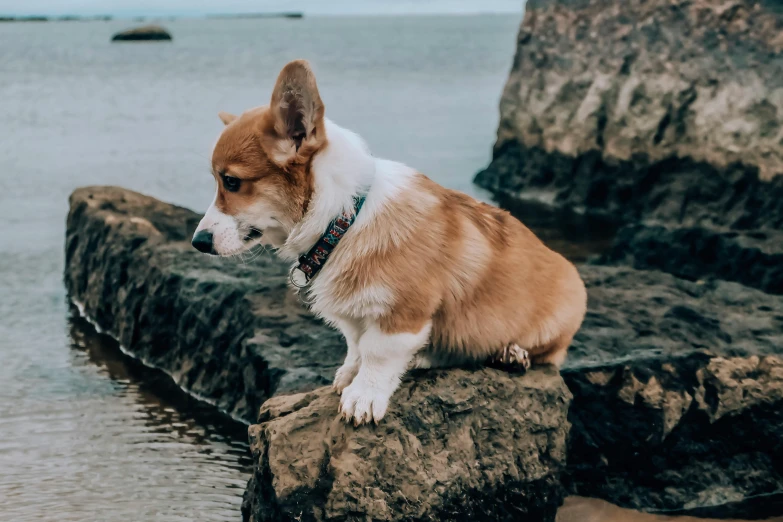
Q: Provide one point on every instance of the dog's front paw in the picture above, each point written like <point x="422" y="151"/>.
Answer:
<point x="344" y="376"/>
<point x="362" y="404"/>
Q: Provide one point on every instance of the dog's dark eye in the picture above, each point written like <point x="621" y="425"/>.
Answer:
<point x="231" y="183"/>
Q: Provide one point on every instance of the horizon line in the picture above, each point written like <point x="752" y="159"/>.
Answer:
<point x="117" y="15"/>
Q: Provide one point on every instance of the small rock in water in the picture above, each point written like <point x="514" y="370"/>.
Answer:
<point x="140" y="34"/>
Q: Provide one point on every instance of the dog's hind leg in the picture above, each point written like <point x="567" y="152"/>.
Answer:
<point x="426" y="360"/>
<point x="431" y="358"/>
<point x="512" y="358"/>
<point x="555" y="353"/>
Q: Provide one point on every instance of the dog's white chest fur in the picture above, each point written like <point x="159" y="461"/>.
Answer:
<point x="370" y="302"/>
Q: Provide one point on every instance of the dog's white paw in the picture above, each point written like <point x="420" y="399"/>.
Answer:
<point x="362" y="404"/>
<point x="344" y="376"/>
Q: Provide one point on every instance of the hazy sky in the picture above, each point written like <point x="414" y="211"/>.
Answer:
<point x="198" y="7"/>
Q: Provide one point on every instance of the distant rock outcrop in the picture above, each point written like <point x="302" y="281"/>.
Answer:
<point x="647" y="109"/>
<point x="141" y="34"/>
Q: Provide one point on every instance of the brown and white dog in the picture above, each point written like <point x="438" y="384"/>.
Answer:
<point x="425" y="277"/>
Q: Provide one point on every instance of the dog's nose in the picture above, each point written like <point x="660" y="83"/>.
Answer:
<point x="202" y="241"/>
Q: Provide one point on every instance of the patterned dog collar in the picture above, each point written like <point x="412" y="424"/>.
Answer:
<point x="310" y="263"/>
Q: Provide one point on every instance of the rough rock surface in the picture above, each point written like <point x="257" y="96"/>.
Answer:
<point x="228" y="332"/>
<point x="678" y="390"/>
<point x="667" y="112"/>
<point x="140" y="34"/>
<point x="640" y="315"/>
<point x="662" y="109"/>
<point x="697" y="434"/>
<point x="579" y="509"/>
<point x="752" y="257"/>
<point x="455" y="445"/>
<point x="677" y="384"/>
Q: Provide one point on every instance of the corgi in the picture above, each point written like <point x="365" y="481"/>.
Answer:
<point x="414" y="275"/>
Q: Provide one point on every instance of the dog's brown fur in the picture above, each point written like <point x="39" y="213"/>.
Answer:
<point x="478" y="273"/>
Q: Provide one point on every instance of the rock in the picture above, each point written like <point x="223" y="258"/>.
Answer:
<point x="455" y="445"/>
<point x="678" y="436"/>
<point x="228" y="332"/>
<point x="295" y="15"/>
<point x="635" y="316"/>
<point x="676" y="384"/>
<point x="664" y="111"/>
<point x="24" y="18"/>
<point x="139" y="34"/>
<point x="578" y="509"/>
<point x="661" y="109"/>
<point x="678" y="389"/>
<point x="751" y="257"/>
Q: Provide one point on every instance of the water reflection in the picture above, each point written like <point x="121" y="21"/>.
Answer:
<point x="166" y="404"/>
<point x="122" y="444"/>
<point x="575" y="236"/>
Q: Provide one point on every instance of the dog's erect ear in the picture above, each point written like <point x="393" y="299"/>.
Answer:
<point x="298" y="112"/>
<point x="226" y="118"/>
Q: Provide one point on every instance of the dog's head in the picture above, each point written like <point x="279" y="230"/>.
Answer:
<point x="262" y="167"/>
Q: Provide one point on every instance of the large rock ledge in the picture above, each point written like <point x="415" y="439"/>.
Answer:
<point x="455" y="445"/>
<point x="676" y="384"/>
<point x="658" y="109"/>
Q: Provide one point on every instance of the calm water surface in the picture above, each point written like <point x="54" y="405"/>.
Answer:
<point x="85" y="434"/>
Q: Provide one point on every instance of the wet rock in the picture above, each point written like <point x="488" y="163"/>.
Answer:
<point x="142" y="34"/>
<point x="640" y="315"/>
<point x="751" y="257"/>
<point x="673" y="436"/>
<point x="676" y="383"/>
<point x="455" y="445"/>
<point x="669" y="110"/>
<point x="678" y="389"/>
<point x="579" y="509"/>
<point x="668" y="114"/>
<point x="228" y="332"/>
